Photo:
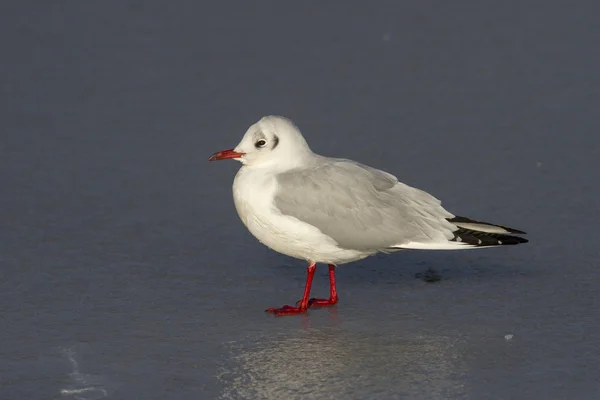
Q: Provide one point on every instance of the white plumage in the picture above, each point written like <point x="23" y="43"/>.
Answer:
<point x="334" y="211"/>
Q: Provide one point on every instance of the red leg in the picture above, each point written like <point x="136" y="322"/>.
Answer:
<point x="333" y="297"/>
<point x="302" y="304"/>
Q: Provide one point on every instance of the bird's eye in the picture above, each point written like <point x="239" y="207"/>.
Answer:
<point x="260" y="143"/>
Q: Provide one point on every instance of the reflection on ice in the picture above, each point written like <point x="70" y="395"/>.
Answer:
<point x="331" y="364"/>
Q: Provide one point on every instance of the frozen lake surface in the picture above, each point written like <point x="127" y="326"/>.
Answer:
<point x="126" y="273"/>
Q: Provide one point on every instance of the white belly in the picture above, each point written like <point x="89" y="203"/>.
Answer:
<point x="253" y="193"/>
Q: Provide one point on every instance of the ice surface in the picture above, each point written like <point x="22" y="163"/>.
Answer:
<point x="119" y="241"/>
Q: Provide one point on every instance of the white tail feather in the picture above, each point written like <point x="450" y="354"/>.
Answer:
<point x="436" y="246"/>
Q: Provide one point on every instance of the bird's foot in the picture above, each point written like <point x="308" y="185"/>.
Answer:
<point x="286" y="310"/>
<point x="321" y="302"/>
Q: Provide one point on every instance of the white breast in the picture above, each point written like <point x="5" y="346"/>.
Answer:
<point x="253" y="193"/>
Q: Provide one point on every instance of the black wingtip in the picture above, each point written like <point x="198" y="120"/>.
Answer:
<point x="477" y="238"/>
<point x="458" y="219"/>
<point x="513" y="230"/>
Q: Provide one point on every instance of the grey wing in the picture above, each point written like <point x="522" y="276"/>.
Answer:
<point x="362" y="208"/>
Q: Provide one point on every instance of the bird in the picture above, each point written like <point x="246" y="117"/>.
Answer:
<point x="335" y="211"/>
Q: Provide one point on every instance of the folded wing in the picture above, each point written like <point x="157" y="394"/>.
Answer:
<point x="363" y="208"/>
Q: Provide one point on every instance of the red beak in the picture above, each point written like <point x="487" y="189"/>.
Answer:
<point x="225" y="154"/>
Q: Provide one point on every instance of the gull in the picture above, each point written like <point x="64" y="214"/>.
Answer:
<point x="335" y="211"/>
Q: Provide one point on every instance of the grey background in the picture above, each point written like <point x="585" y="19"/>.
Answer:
<point x="126" y="273"/>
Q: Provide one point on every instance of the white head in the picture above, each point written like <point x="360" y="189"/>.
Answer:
<point x="272" y="140"/>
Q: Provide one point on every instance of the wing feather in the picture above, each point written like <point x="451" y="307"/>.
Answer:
<point x="360" y="207"/>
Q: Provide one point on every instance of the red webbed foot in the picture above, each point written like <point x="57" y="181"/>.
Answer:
<point x="286" y="310"/>
<point x="305" y="303"/>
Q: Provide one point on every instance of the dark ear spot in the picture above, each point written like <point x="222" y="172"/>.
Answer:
<point x="275" y="142"/>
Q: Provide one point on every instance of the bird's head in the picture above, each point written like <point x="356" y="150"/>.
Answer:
<point x="271" y="141"/>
